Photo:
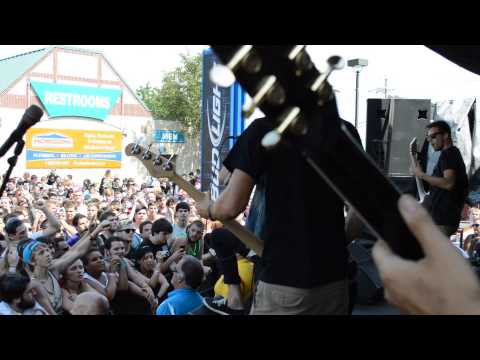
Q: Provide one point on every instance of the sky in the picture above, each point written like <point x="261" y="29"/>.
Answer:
<point x="412" y="71"/>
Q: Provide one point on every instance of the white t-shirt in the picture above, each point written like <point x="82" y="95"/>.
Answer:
<point x="34" y="310"/>
<point x="5" y="309"/>
<point x="103" y="277"/>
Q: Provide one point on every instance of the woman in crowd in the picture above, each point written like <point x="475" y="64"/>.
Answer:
<point x="146" y="264"/>
<point x="46" y="270"/>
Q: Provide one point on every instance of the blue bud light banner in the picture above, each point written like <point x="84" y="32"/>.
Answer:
<point x="221" y="123"/>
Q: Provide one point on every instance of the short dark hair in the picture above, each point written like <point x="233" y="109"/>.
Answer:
<point x="182" y="205"/>
<point x="108" y="241"/>
<point x="142" y="251"/>
<point x="86" y="256"/>
<point x="161" y="225"/>
<point x="77" y="218"/>
<point x="146" y="222"/>
<point x="105" y="215"/>
<point x="12" y="224"/>
<point x="442" y="125"/>
<point x="192" y="269"/>
<point x="140" y="209"/>
<point x="12" y="286"/>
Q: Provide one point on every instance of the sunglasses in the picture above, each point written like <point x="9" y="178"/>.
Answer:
<point x="129" y="231"/>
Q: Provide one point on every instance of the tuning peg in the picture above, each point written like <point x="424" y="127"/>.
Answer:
<point x="334" y="63"/>
<point x="269" y="90"/>
<point x="147" y="155"/>
<point x="223" y="76"/>
<point x="158" y="160"/>
<point x="137" y="148"/>
<point x="272" y="138"/>
<point x="301" y="58"/>
<point x="169" y="165"/>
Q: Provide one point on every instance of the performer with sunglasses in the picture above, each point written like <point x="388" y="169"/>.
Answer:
<point x="448" y="182"/>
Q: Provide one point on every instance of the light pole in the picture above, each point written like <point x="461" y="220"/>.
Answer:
<point x="357" y="65"/>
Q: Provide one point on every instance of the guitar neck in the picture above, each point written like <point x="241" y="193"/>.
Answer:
<point x="189" y="188"/>
<point x="249" y="239"/>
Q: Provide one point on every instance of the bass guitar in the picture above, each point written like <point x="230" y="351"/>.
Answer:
<point x="160" y="167"/>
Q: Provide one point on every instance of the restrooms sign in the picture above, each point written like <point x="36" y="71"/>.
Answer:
<point x="71" y="100"/>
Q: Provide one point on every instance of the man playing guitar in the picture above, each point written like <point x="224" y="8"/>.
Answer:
<point x="448" y="183"/>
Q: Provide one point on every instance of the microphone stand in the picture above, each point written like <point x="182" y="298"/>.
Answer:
<point x="12" y="161"/>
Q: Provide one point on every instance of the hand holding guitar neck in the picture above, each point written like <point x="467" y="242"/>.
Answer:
<point x="414" y="161"/>
<point x="161" y="167"/>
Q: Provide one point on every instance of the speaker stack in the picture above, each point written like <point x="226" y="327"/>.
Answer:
<point x="391" y="126"/>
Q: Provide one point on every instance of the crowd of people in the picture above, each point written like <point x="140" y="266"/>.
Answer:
<point x="121" y="246"/>
<point x="115" y="246"/>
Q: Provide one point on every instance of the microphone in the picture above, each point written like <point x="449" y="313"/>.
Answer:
<point x="31" y="116"/>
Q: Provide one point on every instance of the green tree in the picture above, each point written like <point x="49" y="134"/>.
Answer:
<point x="178" y="98"/>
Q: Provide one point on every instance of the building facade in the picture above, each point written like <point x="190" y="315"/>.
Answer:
<point x="90" y="113"/>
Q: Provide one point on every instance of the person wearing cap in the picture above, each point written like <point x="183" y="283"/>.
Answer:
<point x="182" y="213"/>
<point x="126" y="231"/>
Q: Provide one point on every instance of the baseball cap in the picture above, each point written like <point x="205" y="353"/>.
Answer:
<point x="125" y="225"/>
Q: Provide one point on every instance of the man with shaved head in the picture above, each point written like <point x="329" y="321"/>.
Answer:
<point x="90" y="303"/>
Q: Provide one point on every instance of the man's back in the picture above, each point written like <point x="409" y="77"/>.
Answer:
<point x="305" y="243"/>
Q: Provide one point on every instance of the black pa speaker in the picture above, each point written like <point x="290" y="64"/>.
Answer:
<point x="391" y="125"/>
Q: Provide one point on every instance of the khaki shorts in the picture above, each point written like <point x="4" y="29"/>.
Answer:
<point x="330" y="299"/>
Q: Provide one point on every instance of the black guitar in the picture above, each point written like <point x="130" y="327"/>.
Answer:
<point x="284" y="83"/>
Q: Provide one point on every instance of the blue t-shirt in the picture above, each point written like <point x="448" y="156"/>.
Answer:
<point x="180" y="302"/>
<point x="136" y="240"/>
<point x="73" y="240"/>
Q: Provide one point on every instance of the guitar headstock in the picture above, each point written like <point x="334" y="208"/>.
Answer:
<point x="156" y="165"/>
<point x="285" y="84"/>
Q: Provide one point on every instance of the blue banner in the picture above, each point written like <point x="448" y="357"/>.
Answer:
<point x="72" y="100"/>
<point x="41" y="155"/>
<point x="169" y="136"/>
<point x="221" y="123"/>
